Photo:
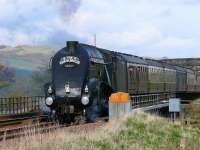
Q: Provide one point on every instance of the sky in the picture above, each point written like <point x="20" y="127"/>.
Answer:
<point x="152" y="28"/>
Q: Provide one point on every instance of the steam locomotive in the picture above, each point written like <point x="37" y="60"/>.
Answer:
<point x="84" y="76"/>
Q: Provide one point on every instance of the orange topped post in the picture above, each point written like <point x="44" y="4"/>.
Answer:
<point x="119" y="97"/>
<point x="119" y="104"/>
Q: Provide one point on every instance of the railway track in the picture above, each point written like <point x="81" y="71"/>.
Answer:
<point x="14" y="120"/>
<point x="28" y="130"/>
<point x="22" y="116"/>
<point x="44" y="127"/>
<point x="11" y="125"/>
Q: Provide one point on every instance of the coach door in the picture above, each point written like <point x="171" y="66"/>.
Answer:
<point x="133" y="78"/>
<point x="121" y="75"/>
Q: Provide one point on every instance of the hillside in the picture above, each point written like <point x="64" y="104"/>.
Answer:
<point x="137" y="131"/>
<point x="192" y="113"/>
<point x="26" y="57"/>
<point x="25" y="63"/>
<point x="6" y="76"/>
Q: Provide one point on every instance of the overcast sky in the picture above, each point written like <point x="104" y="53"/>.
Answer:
<point x="156" y="28"/>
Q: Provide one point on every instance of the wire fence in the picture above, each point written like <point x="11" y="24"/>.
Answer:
<point x="20" y="105"/>
<point x="138" y="101"/>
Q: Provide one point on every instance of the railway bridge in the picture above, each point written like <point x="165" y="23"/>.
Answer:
<point x="15" y="109"/>
<point x="29" y="105"/>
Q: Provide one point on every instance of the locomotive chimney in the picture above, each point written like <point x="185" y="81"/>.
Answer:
<point x="71" y="46"/>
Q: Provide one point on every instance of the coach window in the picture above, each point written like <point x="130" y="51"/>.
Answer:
<point x="142" y="74"/>
<point x="131" y="73"/>
<point x="135" y="73"/>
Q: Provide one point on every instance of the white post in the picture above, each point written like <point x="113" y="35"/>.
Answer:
<point x="118" y="106"/>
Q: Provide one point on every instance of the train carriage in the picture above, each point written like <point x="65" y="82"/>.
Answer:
<point x="181" y="79"/>
<point x="155" y="76"/>
<point x="191" y="80"/>
<point x="137" y="74"/>
<point x="169" y="78"/>
<point x="119" y="66"/>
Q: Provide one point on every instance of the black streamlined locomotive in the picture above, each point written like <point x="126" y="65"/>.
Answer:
<point x="79" y="83"/>
<point x="84" y="76"/>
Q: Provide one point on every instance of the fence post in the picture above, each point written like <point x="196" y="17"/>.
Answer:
<point x="119" y="104"/>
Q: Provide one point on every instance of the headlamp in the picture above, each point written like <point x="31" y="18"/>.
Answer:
<point x="85" y="100"/>
<point x="49" y="101"/>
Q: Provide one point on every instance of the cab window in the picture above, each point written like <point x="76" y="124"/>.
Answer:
<point x="97" y="71"/>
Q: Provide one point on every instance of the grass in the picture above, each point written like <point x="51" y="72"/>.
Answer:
<point x="192" y="113"/>
<point x="135" y="131"/>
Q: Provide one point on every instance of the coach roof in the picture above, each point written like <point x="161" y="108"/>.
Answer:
<point x="152" y="62"/>
<point x="133" y="59"/>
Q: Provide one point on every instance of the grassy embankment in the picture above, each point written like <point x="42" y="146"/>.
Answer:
<point x="136" y="131"/>
<point x="192" y="113"/>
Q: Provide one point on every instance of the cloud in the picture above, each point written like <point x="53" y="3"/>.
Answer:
<point x="35" y="21"/>
<point x="142" y="27"/>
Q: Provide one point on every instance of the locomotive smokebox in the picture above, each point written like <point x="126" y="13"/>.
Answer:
<point x="72" y="45"/>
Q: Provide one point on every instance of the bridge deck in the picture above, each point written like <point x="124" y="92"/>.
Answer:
<point x="157" y="106"/>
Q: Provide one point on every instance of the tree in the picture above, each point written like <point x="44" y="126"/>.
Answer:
<point x="7" y="76"/>
<point x="39" y="79"/>
<point x="1" y="67"/>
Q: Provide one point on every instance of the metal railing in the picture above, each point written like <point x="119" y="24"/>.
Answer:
<point x="20" y="105"/>
<point x="138" y="101"/>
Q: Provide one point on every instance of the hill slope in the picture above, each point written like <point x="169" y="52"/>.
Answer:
<point x="26" y="57"/>
<point x="25" y="63"/>
<point x="136" y="131"/>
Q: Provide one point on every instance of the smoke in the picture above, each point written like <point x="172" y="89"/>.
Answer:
<point x="66" y="8"/>
<point x="36" y="22"/>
